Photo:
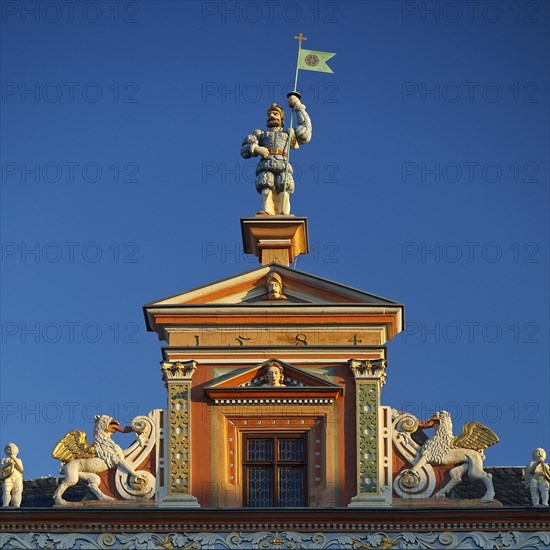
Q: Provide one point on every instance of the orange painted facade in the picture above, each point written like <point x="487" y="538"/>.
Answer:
<point x="315" y="332"/>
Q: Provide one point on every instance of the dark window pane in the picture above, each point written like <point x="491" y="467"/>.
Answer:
<point x="291" y="486"/>
<point x="275" y="470"/>
<point x="260" y="487"/>
<point x="260" y="450"/>
<point x="291" y="449"/>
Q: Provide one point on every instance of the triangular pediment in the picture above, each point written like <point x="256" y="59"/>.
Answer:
<point x="250" y="289"/>
<point x="293" y="377"/>
<point x="252" y="386"/>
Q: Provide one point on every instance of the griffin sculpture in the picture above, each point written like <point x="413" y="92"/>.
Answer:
<point x="80" y="460"/>
<point x="465" y="450"/>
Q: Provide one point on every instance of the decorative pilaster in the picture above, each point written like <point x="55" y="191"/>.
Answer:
<point x="177" y="378"/>
<point x="374" y="487"/>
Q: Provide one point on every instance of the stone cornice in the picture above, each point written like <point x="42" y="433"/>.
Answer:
<point x="317" y="519"/>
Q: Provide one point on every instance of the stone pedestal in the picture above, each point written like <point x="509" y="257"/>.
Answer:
<point x="275" y="239"/>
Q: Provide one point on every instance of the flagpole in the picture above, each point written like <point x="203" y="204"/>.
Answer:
<point x="300" y="37"/>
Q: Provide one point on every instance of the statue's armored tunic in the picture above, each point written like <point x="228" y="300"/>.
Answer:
<point x="272" y="146"/>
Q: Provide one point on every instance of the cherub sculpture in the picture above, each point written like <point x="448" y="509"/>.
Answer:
<point x="537" y="478"/>
<point x="274" y="179"/>
<point x="11" y="475"/>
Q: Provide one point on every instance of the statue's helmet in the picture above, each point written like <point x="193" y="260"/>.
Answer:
<point x="274" y="277"/>
<point x="278" y="109"/>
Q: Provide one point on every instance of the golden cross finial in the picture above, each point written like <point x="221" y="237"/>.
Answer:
<point x="300" y="37"/>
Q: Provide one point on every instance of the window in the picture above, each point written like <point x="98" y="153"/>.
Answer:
<point x="275" y="470"/>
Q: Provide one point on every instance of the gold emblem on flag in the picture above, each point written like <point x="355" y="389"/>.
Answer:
<point x="311" y="60"/>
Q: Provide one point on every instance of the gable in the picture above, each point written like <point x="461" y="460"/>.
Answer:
<point x="250" y="288"/>
<point x="278" y="300"/>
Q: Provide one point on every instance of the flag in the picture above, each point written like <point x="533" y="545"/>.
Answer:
<point x="315" y="61"/>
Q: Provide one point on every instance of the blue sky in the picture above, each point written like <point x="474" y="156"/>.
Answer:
<point x="426" y="182"/>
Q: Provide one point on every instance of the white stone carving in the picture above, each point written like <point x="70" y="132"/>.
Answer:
<point x="537" y="478"/>
<point x="81" y="460"/>
<point x="132" y="488"/>
<point x="11" y="475"/>
<point x="443" y="448"/>
<point x="405" y="424"/>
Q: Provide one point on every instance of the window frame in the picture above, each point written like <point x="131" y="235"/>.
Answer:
<point x="276" y="464"/>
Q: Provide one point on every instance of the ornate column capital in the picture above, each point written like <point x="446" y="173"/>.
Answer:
<point x="368" y="370"/>
<point x="178" y="370"/>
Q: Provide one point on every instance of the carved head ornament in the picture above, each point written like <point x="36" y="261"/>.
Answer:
<point x="13" y="447"/>
<point x="273" y="374"/>
<point x="274" y="286"/>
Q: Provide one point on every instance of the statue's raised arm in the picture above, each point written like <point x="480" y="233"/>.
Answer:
<point x="274" y="179"/>
<point x="303" y="129"/>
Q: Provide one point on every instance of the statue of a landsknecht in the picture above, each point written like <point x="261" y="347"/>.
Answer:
<point x="274" y="179"/>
